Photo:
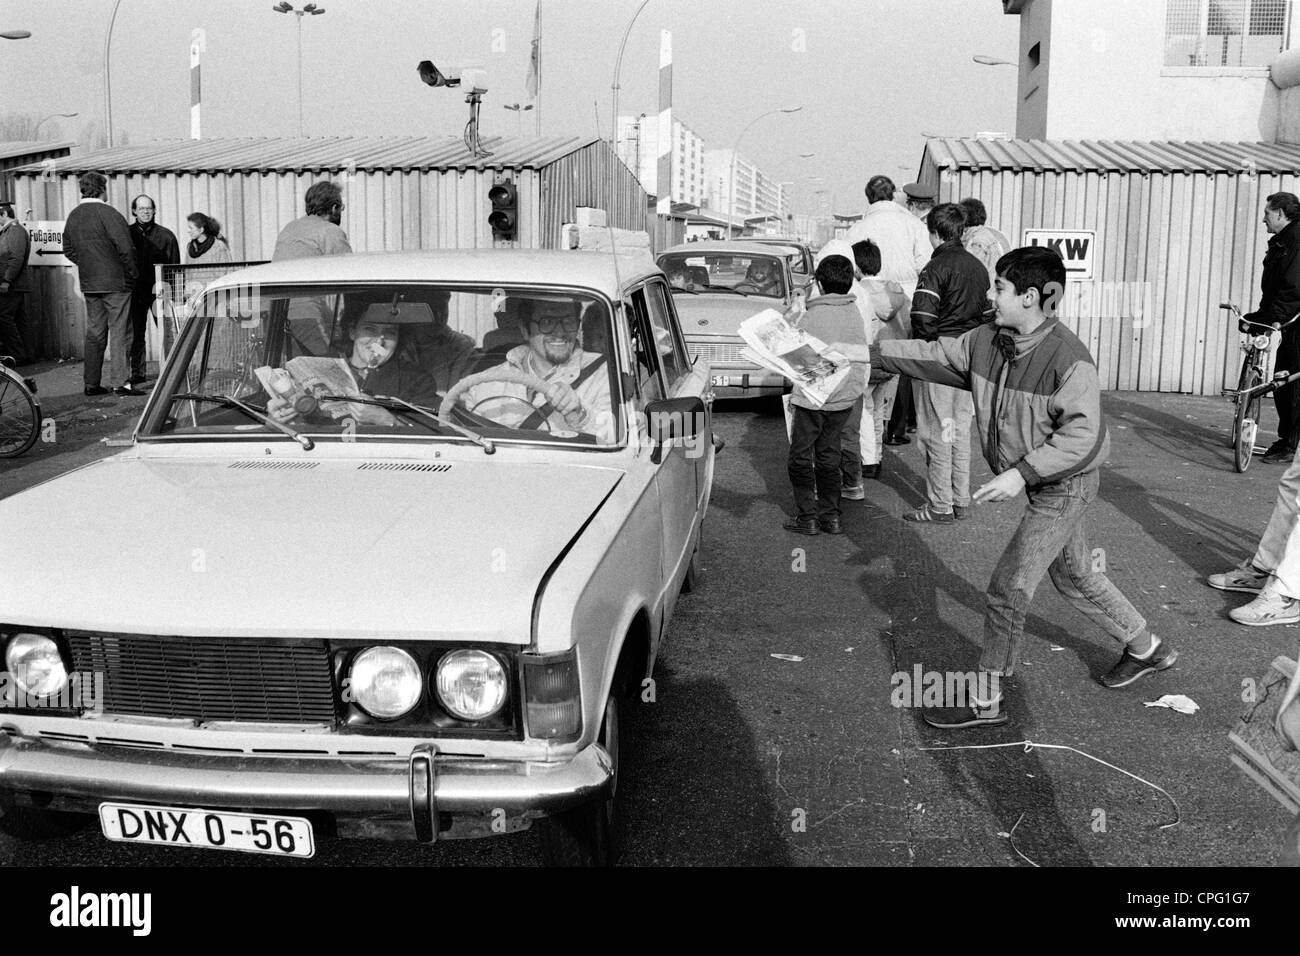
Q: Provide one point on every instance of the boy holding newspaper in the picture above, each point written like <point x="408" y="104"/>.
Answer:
<point x="814" y="463"/>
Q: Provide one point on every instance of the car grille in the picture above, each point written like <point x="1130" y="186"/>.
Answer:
<point x="209" y="678"/>
<point x="715" y="352"/>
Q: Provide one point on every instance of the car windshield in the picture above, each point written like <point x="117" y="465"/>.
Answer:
<point x="744" y="274"/>
<point x="349" y="361"/>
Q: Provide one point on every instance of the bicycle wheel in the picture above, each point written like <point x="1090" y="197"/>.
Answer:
<point x="1248" y="369"/>
<point x="1246" y="424"/>
<point x="20" y="416"/>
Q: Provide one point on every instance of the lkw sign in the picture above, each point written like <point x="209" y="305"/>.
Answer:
<point x="1077" y="247"/>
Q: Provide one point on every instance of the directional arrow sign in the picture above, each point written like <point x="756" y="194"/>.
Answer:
<point x="1077" y="247"/>
<point x="47" y="243"/>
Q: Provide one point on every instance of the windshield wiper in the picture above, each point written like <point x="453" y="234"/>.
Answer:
<point x="253" y="413"/>
<point x="401" y="406"/>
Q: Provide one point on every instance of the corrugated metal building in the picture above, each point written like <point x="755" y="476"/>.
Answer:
<point x="408" y="192"/>
<point x="1178" y="230"/>
<point x="15" y="154"/>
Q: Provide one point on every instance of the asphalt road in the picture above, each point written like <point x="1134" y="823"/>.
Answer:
<point x="748" y="759"/>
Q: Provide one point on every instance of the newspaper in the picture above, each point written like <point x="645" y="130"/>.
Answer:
<point x="809" y="362"/>
<point x="328" y="376"/>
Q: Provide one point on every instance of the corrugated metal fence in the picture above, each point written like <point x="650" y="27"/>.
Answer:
<point x="1174" y="239"/>
<point x="399" y="194"/>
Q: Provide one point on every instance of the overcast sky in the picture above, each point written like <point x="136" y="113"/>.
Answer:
<point x="871" y="75"/>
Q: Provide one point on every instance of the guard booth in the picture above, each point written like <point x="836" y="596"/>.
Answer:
<point x="400" y="193"/>
<point x="1155" y="236"/>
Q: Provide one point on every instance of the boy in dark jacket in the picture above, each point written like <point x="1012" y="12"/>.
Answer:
<point x="1038" y="406"/>
<point x="814" y="463"/>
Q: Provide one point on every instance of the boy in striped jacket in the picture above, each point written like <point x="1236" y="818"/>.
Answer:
<point x="1038" y="408"/>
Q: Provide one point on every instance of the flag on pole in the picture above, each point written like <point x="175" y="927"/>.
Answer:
<point x="534" y="59"/>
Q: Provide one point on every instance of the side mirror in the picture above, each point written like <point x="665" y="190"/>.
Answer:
<point x="674" y="419"/>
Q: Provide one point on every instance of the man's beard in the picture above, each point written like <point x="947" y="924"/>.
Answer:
<point x="558" y="355"/>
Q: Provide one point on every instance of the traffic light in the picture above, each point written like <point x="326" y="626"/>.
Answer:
<point x="505" y="211"/>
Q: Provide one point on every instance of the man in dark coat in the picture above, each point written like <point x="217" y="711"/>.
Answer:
<point x="97" y="240"/>
<point x="1279" y="303"/>
<point x="155" y="245"/>
<point x="14" y="284"/>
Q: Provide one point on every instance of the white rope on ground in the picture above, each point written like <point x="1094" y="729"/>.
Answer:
<point x="1012" y="837"/>
<point x="1030" y="745"/>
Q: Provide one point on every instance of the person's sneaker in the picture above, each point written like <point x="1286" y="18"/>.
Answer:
<point x="830" y="525"/>
<point x="898" y="440"/>
<point x="93" y="390"/>
<point x="1279" y="456"/>
<point x="924" y="513"/>
<point x="801" y="525"/>
<point x="961" y="512"/>
<point x="960" y="718"/>
<point x="1247" y="579"/>
<point x="853" y="492"/>
<point x="871" y="471"/>
<point x="1132" y="668"/>
<point x="128" y="390"/>
<point x="1270" y="607"/>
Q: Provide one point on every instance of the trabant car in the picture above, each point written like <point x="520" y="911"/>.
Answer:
<point x="802" y="261"/>
<point x="396" y="538"/>
<point x="717" y="285"/>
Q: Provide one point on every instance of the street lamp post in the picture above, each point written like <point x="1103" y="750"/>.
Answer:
<point x="519" y="109"/>
<point x="613" y="129"/>
<point x="309" y="9"/>
<point x="50" y="117"/>
<point x="731" y="198"/>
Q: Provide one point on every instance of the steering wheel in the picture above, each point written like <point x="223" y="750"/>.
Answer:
<point x="754" y="286"/>
<point x="553" y="420"/>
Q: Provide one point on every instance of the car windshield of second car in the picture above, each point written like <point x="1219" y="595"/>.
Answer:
<point x="725" y="274"/>
<point x="517" y="365"/>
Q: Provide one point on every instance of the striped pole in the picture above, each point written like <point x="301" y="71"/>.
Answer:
<point x="198" y="42"/>
<point x="664" y="178"/>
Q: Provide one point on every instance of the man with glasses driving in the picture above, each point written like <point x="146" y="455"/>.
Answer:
<point x="577" y="381"/>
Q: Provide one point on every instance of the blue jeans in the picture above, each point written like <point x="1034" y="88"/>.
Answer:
<point x="1051" y="539"/>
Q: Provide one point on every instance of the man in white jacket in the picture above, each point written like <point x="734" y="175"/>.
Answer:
<point x="903" y="239"/>
<point x="904" y="243"/>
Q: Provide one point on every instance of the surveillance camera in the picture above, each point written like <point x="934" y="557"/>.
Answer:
<point x="433" y="76"/>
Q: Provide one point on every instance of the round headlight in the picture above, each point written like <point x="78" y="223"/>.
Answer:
<point x="385" y="682"/>
<point x="1262" y="341"/>
<point x="34" y="662"/>
<point x="471" y="684"/>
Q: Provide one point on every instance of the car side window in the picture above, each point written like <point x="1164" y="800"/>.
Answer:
<point x="668" y="341"/>
<point x="649" y="379"/>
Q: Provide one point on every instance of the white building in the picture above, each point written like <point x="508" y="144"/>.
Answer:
<point x="638" y="147"/>
<point x="1149" y="69"/>
<point x="757" y="194"/>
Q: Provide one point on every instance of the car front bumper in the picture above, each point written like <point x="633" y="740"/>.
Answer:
<point x="385" y="797"/>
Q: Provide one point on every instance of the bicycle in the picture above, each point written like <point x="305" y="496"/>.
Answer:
<point x="20" y="411"/>
<point x="1251" y="388"/>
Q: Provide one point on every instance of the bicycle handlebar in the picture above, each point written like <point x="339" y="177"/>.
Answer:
<point x="1275" y="326"/>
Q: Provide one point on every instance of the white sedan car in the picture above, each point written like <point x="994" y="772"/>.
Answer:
<point x="396" y="536"/>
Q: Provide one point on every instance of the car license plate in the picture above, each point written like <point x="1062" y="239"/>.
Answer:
<point x="216" y="830"/>
<point x="720" y="381"/>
